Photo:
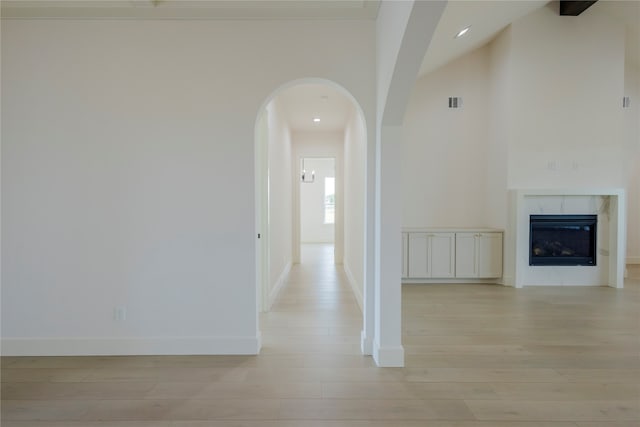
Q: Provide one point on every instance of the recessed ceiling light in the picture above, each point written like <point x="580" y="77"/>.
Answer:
<point x="462" y="32"/>
<point x="316" y="120"/>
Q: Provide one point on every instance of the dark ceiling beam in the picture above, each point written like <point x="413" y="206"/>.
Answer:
<point x="574" y="8"/>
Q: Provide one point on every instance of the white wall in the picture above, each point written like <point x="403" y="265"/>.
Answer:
<point x="632" y="163"/>
<point x="565" y="112"/>
<point x="279" y="194"/>
<point x="444" y="159"/>
<point x="261" y="196"/>
<point x="497" y="208"/>
<point x="313" y="228"/>
<point x="127" y="175"/>
<point x="322" y="144"/>
<point x="541" y="108"/>
<point x="355" y="152"/>
<point x="498" y="135"/>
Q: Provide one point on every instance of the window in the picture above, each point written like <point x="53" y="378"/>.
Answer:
<point x="329" y="200"/>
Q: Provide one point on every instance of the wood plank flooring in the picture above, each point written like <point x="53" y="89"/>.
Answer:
<point x="476" y="356"/>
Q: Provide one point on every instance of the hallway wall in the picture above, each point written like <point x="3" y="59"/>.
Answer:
<point x="355" y="159"/>
<point x="280" y="216"/>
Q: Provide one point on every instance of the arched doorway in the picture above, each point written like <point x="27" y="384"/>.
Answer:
<point x="308" y="119"/>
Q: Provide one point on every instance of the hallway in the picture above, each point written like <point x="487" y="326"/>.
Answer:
<point x="316" y="312"/>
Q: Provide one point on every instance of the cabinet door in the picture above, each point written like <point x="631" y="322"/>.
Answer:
<point x="405" y="261"/>
<point x="466" y="265"/>
<point x="490" y="255"/>
<point x="441" y="255"/>
<point x="418" y="255"/>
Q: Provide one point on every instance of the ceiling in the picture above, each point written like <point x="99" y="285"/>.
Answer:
<point x="488" y="18"/>
<point x="302" y="103"/>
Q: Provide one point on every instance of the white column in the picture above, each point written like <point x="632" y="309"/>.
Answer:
<point x="368" y="297"/>
<point x="403" y="32"/>
<point x="387" y="346"/>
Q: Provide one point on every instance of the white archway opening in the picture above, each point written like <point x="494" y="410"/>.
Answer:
<point x="285" y="133"/>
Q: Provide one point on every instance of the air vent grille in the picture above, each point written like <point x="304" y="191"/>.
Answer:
<point x="455" y="102"/>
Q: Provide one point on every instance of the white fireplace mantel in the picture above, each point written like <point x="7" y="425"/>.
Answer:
<point x="609" y="204"/>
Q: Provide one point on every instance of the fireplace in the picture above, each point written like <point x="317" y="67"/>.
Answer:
<point x="562" y="240"/>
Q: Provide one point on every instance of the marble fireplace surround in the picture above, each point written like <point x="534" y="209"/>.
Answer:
<point x="608" y="204"/>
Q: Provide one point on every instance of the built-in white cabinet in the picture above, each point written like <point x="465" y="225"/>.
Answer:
<point x="478" y="255"/>
<point x="451" y="254"/>
<point x="431" y="255"/>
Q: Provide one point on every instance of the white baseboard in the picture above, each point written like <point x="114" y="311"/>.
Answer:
<point x="388" y="357"/>
<point x="633" y="260"/>
<point x="354" y="286"/>
<point x="508" y="281"/>
<point x="366" y="344"/>
<point x="575" y="285"/>
<point x="275" y="290"/>
<point x="452" y="281"/>
<point x="131" y="346"/>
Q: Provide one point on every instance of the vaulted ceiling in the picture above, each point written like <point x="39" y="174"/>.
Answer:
<point x="487" y="18"/>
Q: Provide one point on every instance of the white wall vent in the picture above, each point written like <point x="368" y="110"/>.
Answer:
<point x="455" y="102"/>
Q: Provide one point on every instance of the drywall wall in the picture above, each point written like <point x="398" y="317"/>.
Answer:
<point x="497" y="203"/>
<point x="633" y="213"/>
<point x="127" y="175"/>
<point x="261" y="196"/>
<point x="632" y="161"/>
<point x="532" y="116"/>
<point x="315" y="227"/>
<point x="354" y="203"/>
<point x="444" y="158"/>
<point x="565" y="115"/>
<point x="279" y="195"/>
<point x="498" y="136"/>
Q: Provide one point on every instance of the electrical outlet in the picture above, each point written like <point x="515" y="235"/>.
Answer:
<point x="120" y="314"/>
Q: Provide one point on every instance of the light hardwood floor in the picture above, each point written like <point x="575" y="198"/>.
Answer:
<point x="476" y="355"/>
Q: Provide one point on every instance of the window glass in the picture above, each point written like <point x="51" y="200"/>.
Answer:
<point x="329" y="200"/>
